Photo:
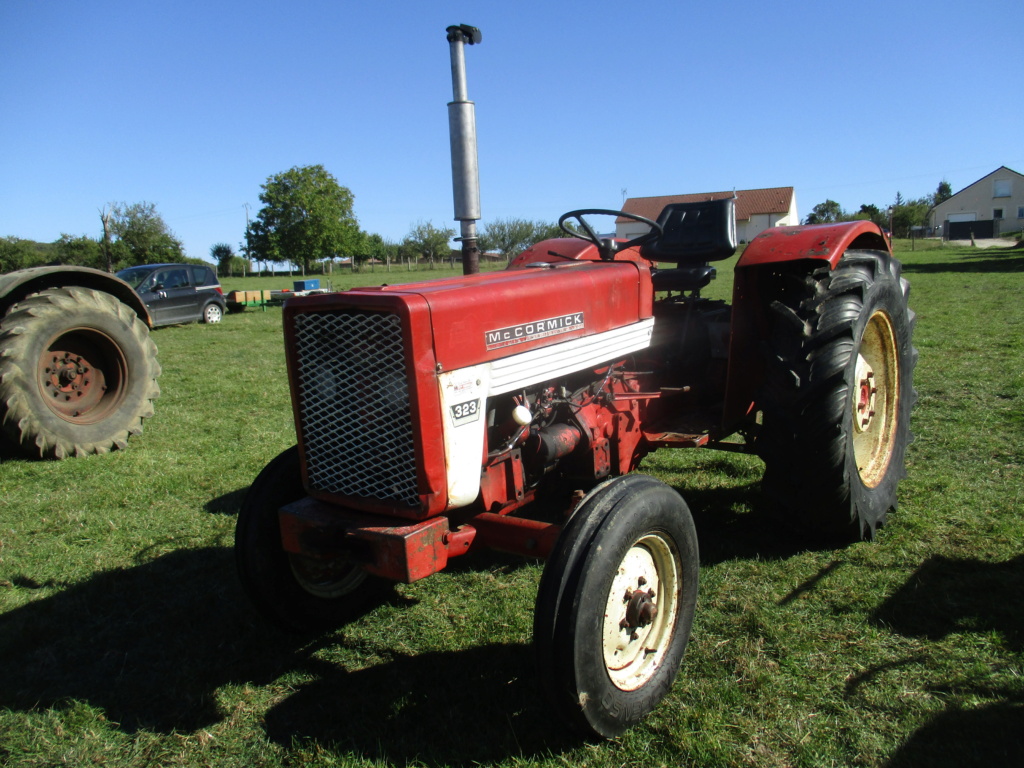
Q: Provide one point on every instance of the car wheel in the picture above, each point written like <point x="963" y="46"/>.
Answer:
<point x="212" y="313"/>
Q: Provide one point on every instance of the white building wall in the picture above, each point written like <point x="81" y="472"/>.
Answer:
<point x="979" y="202"/>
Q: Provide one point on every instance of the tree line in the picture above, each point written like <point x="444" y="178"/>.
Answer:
<point x="131" y="234"/>
<point x="307" y="219"/>
<point x="900" y="217"/>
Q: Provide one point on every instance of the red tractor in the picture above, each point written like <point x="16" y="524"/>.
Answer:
<point x="509" y="410"/>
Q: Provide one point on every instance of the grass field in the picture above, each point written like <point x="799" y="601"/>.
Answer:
<point x="125" y="639"/>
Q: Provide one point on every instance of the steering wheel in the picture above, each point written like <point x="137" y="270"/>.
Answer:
<point x="608" y="247"/>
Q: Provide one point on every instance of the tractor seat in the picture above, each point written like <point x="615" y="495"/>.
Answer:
<point x="683" y="278"/>
<point x="694" y="234"/>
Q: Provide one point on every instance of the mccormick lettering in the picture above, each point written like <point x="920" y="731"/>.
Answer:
<point x="538" y="329"/>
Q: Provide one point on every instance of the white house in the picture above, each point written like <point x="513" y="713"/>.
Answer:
<point x="992" y="205"/>
<point x="756" y="210"/>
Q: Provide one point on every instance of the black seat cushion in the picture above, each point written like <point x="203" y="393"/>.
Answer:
<point x="695" y="233"/>
<point x="683" y="278"/>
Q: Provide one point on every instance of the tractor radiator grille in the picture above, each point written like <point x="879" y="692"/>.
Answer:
<point x="354" y="410"/>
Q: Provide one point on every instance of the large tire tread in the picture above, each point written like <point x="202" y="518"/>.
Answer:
<point x="806" y="440"/>
<point x="32" y="323"/>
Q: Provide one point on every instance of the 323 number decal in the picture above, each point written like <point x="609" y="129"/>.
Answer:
<point x="463" y="413"/>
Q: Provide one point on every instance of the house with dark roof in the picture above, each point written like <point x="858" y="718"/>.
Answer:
<point x="989" y="207"/>
<point x="756" y="210"/>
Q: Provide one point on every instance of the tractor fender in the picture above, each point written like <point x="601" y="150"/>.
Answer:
<point x="15" y="286"/>
<point x="820" y="242"/>
<point x="789" y="248"/>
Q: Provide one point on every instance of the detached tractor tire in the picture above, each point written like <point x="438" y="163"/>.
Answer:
<point x="78" y="373"/>
<point x="838" y="395"/>
<point x="294" y="593"/>
<point x="615" y="605"/>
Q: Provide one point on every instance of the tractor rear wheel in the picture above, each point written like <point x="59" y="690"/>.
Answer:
<point x="78" y="373"/>
<point x="838" y="394"/>
<point x="616" y="604"/>
<point x="295" y="593"/>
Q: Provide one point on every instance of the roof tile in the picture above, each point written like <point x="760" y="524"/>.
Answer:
<point x="749" y="202"/>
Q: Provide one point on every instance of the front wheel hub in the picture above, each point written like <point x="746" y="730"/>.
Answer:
<point x="641" y="610"/>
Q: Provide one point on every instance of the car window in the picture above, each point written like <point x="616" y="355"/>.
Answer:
<point x="203" y="276"/>
<point x="175" y="277"/>
<point x="134" y="275"/>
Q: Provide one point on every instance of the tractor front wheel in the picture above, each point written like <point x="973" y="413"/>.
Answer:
<point x="838" y="394"/>
<point x="295" y="593"/>
<point x="616" y="604"/>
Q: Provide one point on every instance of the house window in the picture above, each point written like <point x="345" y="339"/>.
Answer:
<point x="997" y="213"/>
<point x="1020" y="211"/>
<point x="1002" y="188"/>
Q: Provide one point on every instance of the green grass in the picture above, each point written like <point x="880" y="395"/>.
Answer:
<point x="341" y="279"/>
<point x="125" y="639"/>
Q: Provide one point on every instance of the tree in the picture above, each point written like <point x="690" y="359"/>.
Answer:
<point x="376" y="249"/>
<point x="141" y="235"/>
<point x="825" y="213"/>
<point x="15" y="253"/>
<point x="306" y="217"/>
<point x="509" y="237"/>
<point x="227" y="262"/>
<point x="908" y="214"/>
<point x="546" y="230"/>
<point x="869" y="212"/>
<point x="82" y="251"/>
<point x="942" y="193"/>
<point x="428" y="241"/>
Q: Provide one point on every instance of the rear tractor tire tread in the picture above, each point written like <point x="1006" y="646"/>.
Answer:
<point x="820" y="323"/>
<point x="58" y="317"/>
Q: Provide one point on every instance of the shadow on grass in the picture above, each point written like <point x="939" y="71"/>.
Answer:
<point x="946" y="595"/>
<point x="150" y="647"/>
<point x="738" y="522"/>
<point x="952" y="596"/>
<point x="227" y="504"/>
<point x="988" y="260"/>
<point x="445" y="708"/>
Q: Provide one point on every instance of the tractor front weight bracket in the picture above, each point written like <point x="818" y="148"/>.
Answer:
<point x="402" y="550"/>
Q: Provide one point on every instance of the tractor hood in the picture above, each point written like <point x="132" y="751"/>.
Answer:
<point x="479" y="318"/>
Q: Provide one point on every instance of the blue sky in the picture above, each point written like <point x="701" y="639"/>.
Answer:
<point x="192" y="105"/>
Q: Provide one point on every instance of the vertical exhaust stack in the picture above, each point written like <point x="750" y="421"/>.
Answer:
<point x="462" y="127"/>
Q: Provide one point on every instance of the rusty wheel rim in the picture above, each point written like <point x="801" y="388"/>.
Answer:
<point x="640" y="614"/>
<point x="326" y="579"/>
<point x="83" y="376"/>
<point x="875" y="401"/>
